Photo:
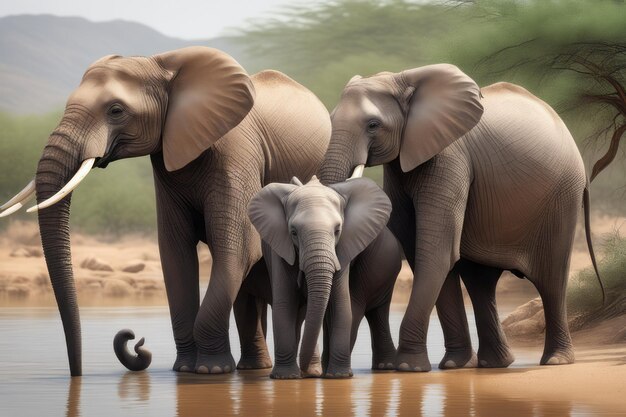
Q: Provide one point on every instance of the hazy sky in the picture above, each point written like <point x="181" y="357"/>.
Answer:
<point x="189" y="19"/>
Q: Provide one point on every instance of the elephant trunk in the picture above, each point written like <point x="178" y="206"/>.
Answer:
<point x="319" y="264"/>
<point x="339" y="160"/>
<point x="59" y="160"/>
<point x="137" y="362"/>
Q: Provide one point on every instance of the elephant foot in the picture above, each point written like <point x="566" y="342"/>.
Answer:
<point x="262" y="361"/>
<point x="315" y="370"/>
<point x="495" y="358"/>
<point x="384" y="362"/>
<point x="413" y="362"/>
<point x="338" y="372"/>
<point x="291" y="371"/>
<point x="222" y="363"/>
<point x="459" y="359"/>
<point x="185" y="362"/>
<point x="558" y="357"/>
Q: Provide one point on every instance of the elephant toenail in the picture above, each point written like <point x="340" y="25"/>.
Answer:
<point x="381" y="366"/>
<point x="483" y="362"/>
<point x="216" y="370"/>
<point x="404" y="367"/>
<point x="202" y="370"/>
<point x="553" y="361"/>
<point x="227" y="368"/>
<point x="184" y="368"/>
<point x="417" y="369"/>
<point x="449" y="364"/>
<point x="390" y="365"/>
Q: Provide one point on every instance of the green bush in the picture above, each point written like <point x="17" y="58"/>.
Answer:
<point x="584" y="294"/>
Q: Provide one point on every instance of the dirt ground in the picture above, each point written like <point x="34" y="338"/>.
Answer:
<point x="127" y="271"/>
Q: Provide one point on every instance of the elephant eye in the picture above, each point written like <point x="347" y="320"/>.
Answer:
<point x="293" y="232"/>
<point x="115" y="111"/>
<point x="372" y="125"/>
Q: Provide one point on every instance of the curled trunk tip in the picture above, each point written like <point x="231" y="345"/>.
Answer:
<point x="137" y="362"/>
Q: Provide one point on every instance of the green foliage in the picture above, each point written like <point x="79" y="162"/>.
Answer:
<point x="584" y="293"/>
<point x="116" y="200"/>
<point x="323" y="46"/>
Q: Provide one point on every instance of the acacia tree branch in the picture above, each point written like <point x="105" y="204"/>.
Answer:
<point x="610" y="154"/>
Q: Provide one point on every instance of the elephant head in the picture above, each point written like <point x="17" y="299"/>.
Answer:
<point x="324" y="229"/>
<point x="178" y="103"/>
<point x="411" y="116"/>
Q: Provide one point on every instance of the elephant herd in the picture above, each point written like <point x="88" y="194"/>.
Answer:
<point x="476" y="181"/>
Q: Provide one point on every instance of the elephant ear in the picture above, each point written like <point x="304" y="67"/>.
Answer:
<point x="366" y="213"/>
<point x="267" y="213"/>
<point x="210" y="93"/>
<point x="444" y="105"/>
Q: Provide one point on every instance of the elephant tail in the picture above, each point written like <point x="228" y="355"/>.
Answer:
<point x="137" y="362"/>
<point x="588" y="236"/>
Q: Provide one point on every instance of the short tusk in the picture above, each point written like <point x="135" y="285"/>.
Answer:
<point x="68" y="188"/>
<point x="15" y="207"/>
<point x="28" y="191"/>
<point x="358" y="172"/>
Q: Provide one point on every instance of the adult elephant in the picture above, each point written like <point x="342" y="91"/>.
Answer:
<point x="215" y="136"/>
<point x="492" y="179"/>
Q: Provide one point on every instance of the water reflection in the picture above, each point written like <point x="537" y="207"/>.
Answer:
<point x="134" y="386"/>
<point x="73" y="397"/>
<point x="251" y="393"/>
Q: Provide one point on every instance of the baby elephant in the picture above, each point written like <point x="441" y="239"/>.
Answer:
<point x="311" y="234"/>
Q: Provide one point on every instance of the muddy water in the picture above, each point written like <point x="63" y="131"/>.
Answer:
<point x="34" y="377"/>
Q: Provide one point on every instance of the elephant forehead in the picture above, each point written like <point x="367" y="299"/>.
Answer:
<point x="316" y="219"/>
<point x="380" y="83"/>
<point x="360" y="103"/>
<point x="96" y="91"/>
<point x="312" y="199"/>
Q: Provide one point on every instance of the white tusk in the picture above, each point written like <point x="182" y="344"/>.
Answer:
<point x="15" y="207"/>
<point x="21" y="196"/>
<point x="358" y="172"/>
<point x="68" y="188"/>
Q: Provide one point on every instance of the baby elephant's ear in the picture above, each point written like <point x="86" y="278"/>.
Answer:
<point x="365" y="215"/>
<point x="267" y="214"/>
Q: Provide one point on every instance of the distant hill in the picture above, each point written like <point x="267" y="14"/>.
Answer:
<point x="43" y="57"/>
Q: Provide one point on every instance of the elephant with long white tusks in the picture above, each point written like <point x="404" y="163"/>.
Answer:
<point x="330" y="246"/>
<point x="215" y="136"/>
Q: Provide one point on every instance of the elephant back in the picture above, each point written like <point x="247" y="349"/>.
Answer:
<point x="295" y="123"/>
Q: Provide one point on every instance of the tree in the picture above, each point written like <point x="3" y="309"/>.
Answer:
<point x="605" y="65"/>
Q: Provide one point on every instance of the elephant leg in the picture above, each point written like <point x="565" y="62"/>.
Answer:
<point x="481" y="281"/>
<point x="402" y="220"/>
<point x="550" y="272"/>
<point x="451" y="313"/>
<point x="440" y="201"/>
<point x="339" y="315"/>
<point x="235" y="249"/>
<point x="383" y="349"/>
<point x="250" y="311"/>
<point x="552" y="288"/>
<point x="358" y="312"/>
<point x="251" y="319"/>
<point x="179" y="260"/>
<point x="285" y="317"/>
